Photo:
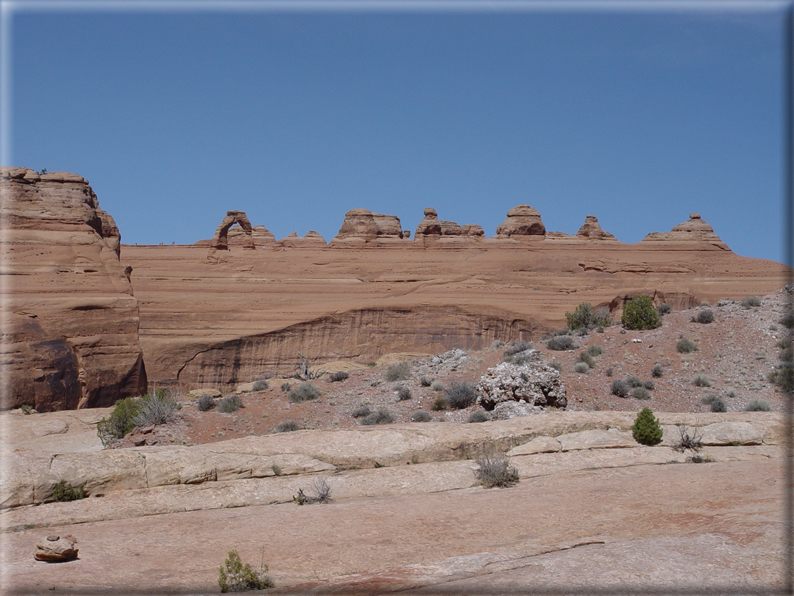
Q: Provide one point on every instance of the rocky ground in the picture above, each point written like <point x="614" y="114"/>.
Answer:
<point x="737" y="352"/>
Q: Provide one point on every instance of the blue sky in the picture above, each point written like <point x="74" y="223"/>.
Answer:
<point x="635" y="114"/>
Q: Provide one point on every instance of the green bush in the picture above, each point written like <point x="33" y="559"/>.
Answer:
<point x="561" y="343"/>
<point x="585" y="317"/>
<point x="64" y="491"/>
<point x="586" y="358"/>
<point x="757" y="405"/>
<point x="646" y="429"/>
<point x="460" y="394"/>
<point x="234" y="576"/>
<point x="581" y="368"/>
<point x="686" y="346"/>
<point x="378" y="417"/>
<point x="27" y="409"/>
<point x="421" y="416"/>
<point x="230" y="404"/>
<point x="398" y="372"/>
<point x="304" y="392"/>
<point x="120" y="422"/>
<point x="704" y="316"/>
<point x="639" y="313"/>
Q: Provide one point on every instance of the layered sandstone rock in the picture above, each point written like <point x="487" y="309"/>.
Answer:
<point x="220" y="240"/>
<point x="591" y="230"/>
<point x="431" y="229"/>
<point x="312" y="239"/>
<point x="237" y="236"/>
<point x="362" y="226"/>
<point x="522" y="221"/>
<point x="73" y="320"/>
<point x="694" y="230"/>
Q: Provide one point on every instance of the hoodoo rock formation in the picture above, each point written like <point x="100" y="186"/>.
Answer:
<point x="430" y="230"/>
<point x="522" y="221"/>
<point x="362" y="226"/>
<point x="73" y="335"/>
<point x="694" y="230"/>
<point x="591" y="230"/>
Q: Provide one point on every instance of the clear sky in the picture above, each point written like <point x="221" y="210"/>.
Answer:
<point x="638" y="113"/>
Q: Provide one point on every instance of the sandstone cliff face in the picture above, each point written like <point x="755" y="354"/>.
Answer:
<point x="363" y="227"/>
<point x="72" y="339"/>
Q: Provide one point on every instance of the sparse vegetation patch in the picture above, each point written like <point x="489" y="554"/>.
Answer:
<point x="495" y="470"/>
<point x="639" y="313"/>
<point x="460" y="394"/>
<point x="304" y="392"/>
<point x="398" y="372"/>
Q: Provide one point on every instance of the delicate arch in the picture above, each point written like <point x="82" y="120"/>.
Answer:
<point x="220" y="241"/>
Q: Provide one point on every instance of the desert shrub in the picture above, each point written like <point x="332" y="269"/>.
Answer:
<point x="361" y="411"/>
<point x="234" y="576"/>
<point x="586" y="317"/>
<point x="587" y="359"/>
<point x="287" y="426"/>
<point x="701" y="381"/>
<point x="321" y="493"/>
<point x="689" y="440"/>
<point x="609" y="372"/>
<point x="731" y="393"/>
<point x="421" y="416"/>
<point x="403" y="393"/>
<point x="64" y="491"/>
<point x="338" y="376"/>
<point x="657" y="371"/>
<point x="460" y="394"/>
<point x="717" y="405"/>
<point x="595" y="350"/>
<point x="649" y="385"/>
<point x="519" y="359"/>
<point x="787" y="320"/>
<point x="398" y="372"/>
<point x="156" y="408"/>
<point x="620" y="388"/>
<point x="751" y="301"/>
<point x="304" y="392"/>
<point x="664" y="308"/>
<point x="581" y="367"/>
<point x="27" y="409"/>
<point x="497" y="343"/>
<point x="757" y="405"/>
<point x="120" y="422"/>
<point x="704" y="303"/>
<point x="437" y="386"/>
<point x="285" y="387"/>
<point x="425" y="382"/>
<point x="440" y="403"/>
<point x="260" y="385"/>
<point x="561" y="343"/>
<point x="516" y="347"/>
<point x="377" y="417"/>
<point x="704" y="316"/>
<point x="646" y="429"/>
<point x="555" y="364"/>
<point x="639" y="313"/>
<point x="686" y="346"/>
<point x="205" y="402"/>
<point x="495" y="470"/>
<point x="230" y="404"/>
<point x="479" y="416"/>
<point x="634" y="381"/>
<point x="640" y="393"/>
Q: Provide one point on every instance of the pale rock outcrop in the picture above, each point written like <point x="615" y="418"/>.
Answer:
<point x="694" y="230"/>
<point x="535" y="382"/>
<point x="522" y="220"/>
<point x="73" y="320"/>
<point x="507" y="410"/>
<point x="596" y="439"/>
<point x="55" y="549"/>
<point x="362" y="225"/>
<point x="591" y="230"/>
<point x="311" y="240"/>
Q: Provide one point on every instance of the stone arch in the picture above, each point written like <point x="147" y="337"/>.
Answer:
<point x="220" y="241"/>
